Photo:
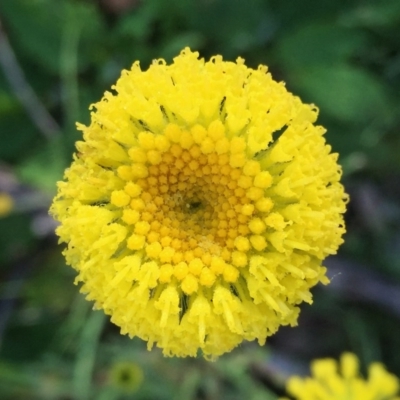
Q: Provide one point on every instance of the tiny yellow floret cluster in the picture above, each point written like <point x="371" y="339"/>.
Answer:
<point x="331" y="381"/>
<point x="200" y="205"/>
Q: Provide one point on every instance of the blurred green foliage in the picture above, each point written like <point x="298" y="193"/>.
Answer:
<point x="343" y="56"/>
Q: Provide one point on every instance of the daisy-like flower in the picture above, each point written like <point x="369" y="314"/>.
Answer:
<point x="327" y="383"/>
<point x="200" y="205"/>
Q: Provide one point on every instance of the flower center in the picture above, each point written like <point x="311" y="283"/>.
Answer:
<point x="200" y="204"/>
<point x="193" y="208"/>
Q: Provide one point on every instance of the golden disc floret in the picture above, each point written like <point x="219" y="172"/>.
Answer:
<point x="200" y="205"/>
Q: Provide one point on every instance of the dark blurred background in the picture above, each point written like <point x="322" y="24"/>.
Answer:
<point x="58" y="57"/>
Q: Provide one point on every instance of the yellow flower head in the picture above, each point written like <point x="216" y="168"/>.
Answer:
<point x="327" y="383"/>
<point x="200" y="205"/>
<point x="6" y="204"/>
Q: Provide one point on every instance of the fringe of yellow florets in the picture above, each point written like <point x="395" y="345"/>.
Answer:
<point x="185" y="220"/>
<point x="327" y="382"/>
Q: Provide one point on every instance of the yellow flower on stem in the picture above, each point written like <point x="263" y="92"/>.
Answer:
<point x="200" y="205"/>
<point x="329" y="383"/>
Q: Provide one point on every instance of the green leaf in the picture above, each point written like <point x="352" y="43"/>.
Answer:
<point x="344" y="92"/>
<point x="319" y="44"/>
<point x="36" y="27"/>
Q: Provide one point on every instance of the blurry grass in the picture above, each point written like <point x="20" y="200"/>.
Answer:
<point x="86" y="355"/>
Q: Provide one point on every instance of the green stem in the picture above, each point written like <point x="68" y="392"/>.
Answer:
<point x="86" y="356"/>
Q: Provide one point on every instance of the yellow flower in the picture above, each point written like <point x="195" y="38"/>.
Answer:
<point x="126" y="376"/>
<point x="327" y="383"/>
<point x="200" y="205"/>
<point x="6" y="204"/>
